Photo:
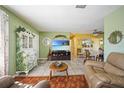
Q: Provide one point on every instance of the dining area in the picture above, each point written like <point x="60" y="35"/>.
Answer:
<point x="90" y="54"/>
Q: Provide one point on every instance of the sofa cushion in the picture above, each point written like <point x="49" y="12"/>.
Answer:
<point x="116" y="59"/>
<point x="6" y="81"/>
<point x="95" y="64"/>
<point x="113" y="70"/>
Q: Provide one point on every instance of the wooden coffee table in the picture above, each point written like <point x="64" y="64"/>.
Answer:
<point x="62" y="68"/>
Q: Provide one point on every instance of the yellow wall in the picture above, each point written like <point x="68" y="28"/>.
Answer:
<point x="76" y="42"/>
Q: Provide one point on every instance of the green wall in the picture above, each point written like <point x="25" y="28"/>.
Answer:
<point x="112" y="22"/>
<point x="45" y="49"/>
<point x="14" y="22"/>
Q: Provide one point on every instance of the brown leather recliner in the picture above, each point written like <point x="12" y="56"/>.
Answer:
<point x="106" y="74"/>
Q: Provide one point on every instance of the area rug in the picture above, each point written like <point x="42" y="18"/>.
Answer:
<point x="74" y="81"/>
<point x="74" y="68"/>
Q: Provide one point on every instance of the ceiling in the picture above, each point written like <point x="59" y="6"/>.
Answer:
<point x="64" y="18"/>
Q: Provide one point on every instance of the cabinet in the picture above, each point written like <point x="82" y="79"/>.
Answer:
<point x="26" y="51"/>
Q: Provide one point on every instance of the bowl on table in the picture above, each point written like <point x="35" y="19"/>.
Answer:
<point x="58" y="64"/>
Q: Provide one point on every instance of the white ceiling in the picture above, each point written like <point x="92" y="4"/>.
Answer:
<point x="64" y="18"/>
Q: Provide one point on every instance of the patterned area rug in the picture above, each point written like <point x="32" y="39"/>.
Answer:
<point x="75" y="81"/>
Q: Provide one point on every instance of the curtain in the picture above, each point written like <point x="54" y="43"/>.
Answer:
<point x="4" y="43"/>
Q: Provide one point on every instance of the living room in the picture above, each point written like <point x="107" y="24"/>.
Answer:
<point x="57" y="50"/>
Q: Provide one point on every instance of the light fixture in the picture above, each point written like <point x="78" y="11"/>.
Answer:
<point x="96" y="32"/>
<point x="80" y="6"/>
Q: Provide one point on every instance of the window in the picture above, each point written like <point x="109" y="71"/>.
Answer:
<point x="87" y="43"/>
<point x="4" y="43"/>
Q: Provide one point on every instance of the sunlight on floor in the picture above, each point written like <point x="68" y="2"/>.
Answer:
<point x="74" y="68"/>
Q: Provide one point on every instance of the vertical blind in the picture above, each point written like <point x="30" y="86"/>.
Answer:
<point x="4" y="43"/>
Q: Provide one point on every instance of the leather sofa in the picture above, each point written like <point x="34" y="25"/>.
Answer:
<point x="106" y="74"/>
<point x="9" y="82"/>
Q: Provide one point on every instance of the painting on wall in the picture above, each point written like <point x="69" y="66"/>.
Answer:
<point x="60" y="45"/>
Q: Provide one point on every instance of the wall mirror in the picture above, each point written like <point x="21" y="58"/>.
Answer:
<point x="46" y="41"/>
<point x="115" y="37"/>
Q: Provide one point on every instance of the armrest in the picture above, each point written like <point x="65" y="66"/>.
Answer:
<point x="89" y="72"/>
<point x="6" y="81"/>
<point x="99" y="80"/>
<point x="95" y="64"/>
<point x="103" y="77"/>
<point x="42" y="84"/>
<point x="111" y="80"/>
<point x="117" y="80"/>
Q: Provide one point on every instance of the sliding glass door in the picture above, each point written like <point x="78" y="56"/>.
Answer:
<point x="4" y="43"/>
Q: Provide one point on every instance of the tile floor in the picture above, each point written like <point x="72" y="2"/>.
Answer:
<point x="74" y="68"/>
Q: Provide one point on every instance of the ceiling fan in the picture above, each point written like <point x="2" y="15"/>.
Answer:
<point x="96" y="32"/>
